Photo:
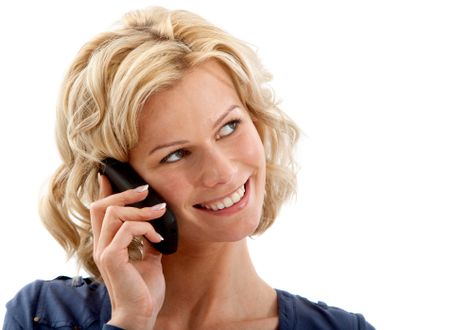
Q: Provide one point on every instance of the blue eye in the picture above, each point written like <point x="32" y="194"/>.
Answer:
<point x="226" y="130"/>
<point x="229" y="128"/>
<point x="174" y="156"/>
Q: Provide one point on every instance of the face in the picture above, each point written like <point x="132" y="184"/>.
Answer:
<point x="198" y="147"/>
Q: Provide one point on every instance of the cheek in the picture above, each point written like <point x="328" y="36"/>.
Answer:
<point x="251" y="148"/>
<point x="171" y="187"/>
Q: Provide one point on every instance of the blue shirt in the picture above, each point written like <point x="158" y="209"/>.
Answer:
<point x="82" y="303"/>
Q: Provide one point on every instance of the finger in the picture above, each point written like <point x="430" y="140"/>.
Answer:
<point x="126" y="197"/>
<point x="98" y="208"/>
<point x="105" y="189"/>
<point x="148" y="249"/>
<point x="126" y="233"/>
<point x="116" y="216"/>
<point x="130" y="213"/>
<point x="129" y="230"/>
<point x="105" y="186"/>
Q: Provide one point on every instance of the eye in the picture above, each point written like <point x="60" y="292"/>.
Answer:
<point x="174" y="156"/>
<point x="228" y="128"/>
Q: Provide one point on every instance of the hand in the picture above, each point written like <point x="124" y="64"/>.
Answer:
<point x="136" y="287"/>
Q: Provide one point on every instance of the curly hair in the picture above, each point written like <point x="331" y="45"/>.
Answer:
<point x="107" y="85"/>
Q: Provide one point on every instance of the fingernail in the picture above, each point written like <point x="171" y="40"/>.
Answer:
<point x="162" y="238"/>
<point x="141" y="188"/>
<point x="158" y="207"/>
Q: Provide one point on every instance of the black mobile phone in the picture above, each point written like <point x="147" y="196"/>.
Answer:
<point x="123" y="177"/>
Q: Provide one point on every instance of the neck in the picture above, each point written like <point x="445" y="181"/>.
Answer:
<point x="215" y="269"/>
<point x="214" y="280"/>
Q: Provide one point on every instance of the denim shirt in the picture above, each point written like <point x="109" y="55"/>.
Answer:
<point x="82" y="303"/>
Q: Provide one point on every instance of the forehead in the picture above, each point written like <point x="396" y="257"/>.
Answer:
<point x="197" y="99"/>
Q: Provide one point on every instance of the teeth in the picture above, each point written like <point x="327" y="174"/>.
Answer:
<point x="227" y="201"/>
<point x="235" y="198"/>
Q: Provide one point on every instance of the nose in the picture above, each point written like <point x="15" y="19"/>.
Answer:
<point x="217" y="168"/>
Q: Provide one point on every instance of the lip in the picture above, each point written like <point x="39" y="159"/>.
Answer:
<point x="235" y="207"/>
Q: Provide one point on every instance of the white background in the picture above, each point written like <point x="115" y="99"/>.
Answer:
<point x="368" y="83"/>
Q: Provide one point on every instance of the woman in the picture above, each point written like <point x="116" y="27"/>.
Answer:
<point x="187" y="106"/>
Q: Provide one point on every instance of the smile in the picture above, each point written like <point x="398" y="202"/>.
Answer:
<point x="228" y="201"/>
<point x="233" y="199"/>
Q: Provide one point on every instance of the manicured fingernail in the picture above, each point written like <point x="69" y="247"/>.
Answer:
<point x="141" y="188"/>
<point x="158" y="207"/>
<point x="162" y="238"/>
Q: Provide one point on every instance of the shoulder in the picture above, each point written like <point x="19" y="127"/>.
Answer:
<point x="296" y="312"/>
<point x="61" y="302"/>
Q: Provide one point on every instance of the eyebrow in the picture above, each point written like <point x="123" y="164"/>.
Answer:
<point x="219" y="120"/>
<point x="216" y="123"/>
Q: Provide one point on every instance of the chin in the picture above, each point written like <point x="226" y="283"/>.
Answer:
<point x="239" y="231"/>
<point x="234" y="231"/>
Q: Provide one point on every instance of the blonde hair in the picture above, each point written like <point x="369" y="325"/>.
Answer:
<point x="106" y="86"/>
